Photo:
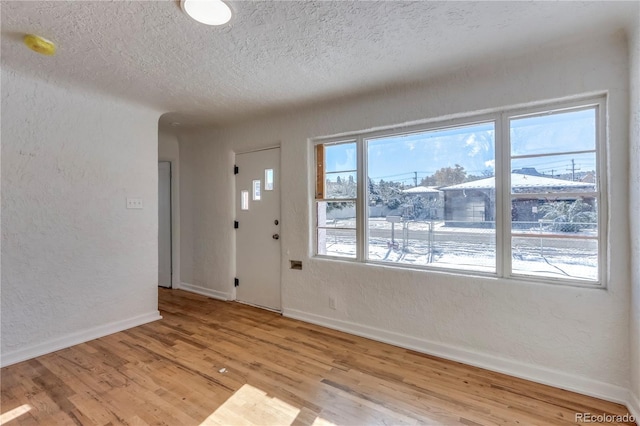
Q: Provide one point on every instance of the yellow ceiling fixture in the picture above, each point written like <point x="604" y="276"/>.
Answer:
<point x="208" y="12"/>
<point x="40" y="44"/>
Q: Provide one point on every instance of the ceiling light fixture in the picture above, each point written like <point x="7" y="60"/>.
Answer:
<point x="208" y="12"/>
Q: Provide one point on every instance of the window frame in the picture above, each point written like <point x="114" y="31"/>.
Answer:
<point x="320" y="189"/>
<point x="599" y="103"/>
<point x="503" y="229"/>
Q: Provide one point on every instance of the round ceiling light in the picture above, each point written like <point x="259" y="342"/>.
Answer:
<point x="209" y="12"/>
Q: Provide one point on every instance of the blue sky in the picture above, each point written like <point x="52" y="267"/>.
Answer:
<point x="396" y="158"/>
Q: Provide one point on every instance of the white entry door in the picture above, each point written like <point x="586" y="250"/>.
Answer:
<point x="164" y="224"/>
<point x="258" y="233"/>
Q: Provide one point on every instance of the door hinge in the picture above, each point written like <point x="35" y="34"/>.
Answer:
<point x="236" y="224"/>
<point x="236" y="282"/>
<point x="235" y="170"/>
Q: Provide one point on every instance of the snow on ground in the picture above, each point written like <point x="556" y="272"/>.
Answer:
<point x="468" y="249"/>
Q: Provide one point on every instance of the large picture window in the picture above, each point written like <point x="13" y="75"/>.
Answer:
<point x="413" y="218"/>
<point x="512" y="194"/>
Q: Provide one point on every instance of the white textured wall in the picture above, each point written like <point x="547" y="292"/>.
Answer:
<point x="634" y="213"/>
<point x="563" y="335"/>
<point x="206" y="214"/>
<point x="169" y="150"/>
<point x="75" y="262"/>
<point x="187" y="236"/>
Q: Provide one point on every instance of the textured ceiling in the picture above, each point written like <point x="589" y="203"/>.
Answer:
<point x="278" y="54"/>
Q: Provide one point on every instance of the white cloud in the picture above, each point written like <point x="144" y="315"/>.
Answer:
<point x="349" y="162"/>
<point x="474" y="144"/>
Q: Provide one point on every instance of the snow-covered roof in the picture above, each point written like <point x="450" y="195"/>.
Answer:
<point x="521" y="181"/>
<point x="421" y="190"/>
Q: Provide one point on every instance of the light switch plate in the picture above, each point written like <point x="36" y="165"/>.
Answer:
<point x="134" y="203"/>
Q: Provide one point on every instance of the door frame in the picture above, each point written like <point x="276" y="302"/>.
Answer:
<point x="170" y="224"/>
<point x="175" y="219"/>
<point x="234" y="293"/>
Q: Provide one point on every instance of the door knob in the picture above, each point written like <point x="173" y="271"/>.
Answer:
<point x="276" y="236"/>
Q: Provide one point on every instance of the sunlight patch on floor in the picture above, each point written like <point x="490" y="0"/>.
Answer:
<point x="14" y="414"/>
<point x="251" y="406"/>
<point x="321" y="422"/>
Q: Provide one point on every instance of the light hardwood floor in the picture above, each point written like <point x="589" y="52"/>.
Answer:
<point x="212" y="362"/>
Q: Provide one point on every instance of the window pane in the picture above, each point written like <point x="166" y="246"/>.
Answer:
<point x="563" y="217"/>
<point x="336" y="214"/>
<point x="555" y="257"/>
<point x="554" y="132"/>
<point x="336" y="234"/>
<point x="268" y="180"/>
<point x="432" y="243"/>
<point x="417" y="214"/>
<point x="337" y="242"/>
<point x="340" y="157"/>
<point x="256" y="190"/>
<point x="244" y="200"/>
<point x="341" y="185"/>
<point x="556" y="173"/>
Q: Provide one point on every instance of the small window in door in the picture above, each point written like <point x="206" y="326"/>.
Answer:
<point x="268" y="180"/>
<point x="256" y="190"/>
<point x="244" y="200"/>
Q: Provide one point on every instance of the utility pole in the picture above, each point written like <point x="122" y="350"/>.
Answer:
<point x="415" y="179"/>
<point x="573" y="169"/>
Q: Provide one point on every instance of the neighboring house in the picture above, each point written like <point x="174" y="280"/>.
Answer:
<point x="473" y="203"/>
<point x="431" y="198"/>
<point x="427" y="192"/>
<point x="588" y="178"/>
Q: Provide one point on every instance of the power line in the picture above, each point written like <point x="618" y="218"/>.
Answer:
<point x="573" y="169"/>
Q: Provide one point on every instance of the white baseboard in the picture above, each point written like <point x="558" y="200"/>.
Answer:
<point x="510" y="367"/>
<point x="76" y="338"/>
<point x="215" y="294"/>
<point x="633" y="404"/>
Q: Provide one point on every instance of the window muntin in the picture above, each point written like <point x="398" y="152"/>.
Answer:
<point x="552" y="231"/>
<point x="555" y="173"/>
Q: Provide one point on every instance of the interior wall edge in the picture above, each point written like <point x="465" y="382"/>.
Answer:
<point x="634" y="205"/>
<point x="215" y="294"/>
<point x="633" y="404"/>
<point x="77" y="338"/>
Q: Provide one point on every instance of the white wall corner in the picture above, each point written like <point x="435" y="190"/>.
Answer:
<point x="510" y="367"/>
<point x="169" y="150"/>
<point x="203" y="291"/>
<point x="633" y="405"/>
<point x="76" y="338"/>
<point x="634" y="191"/>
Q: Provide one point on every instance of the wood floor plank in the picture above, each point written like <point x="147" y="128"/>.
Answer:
<point x="224" y="363"/>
